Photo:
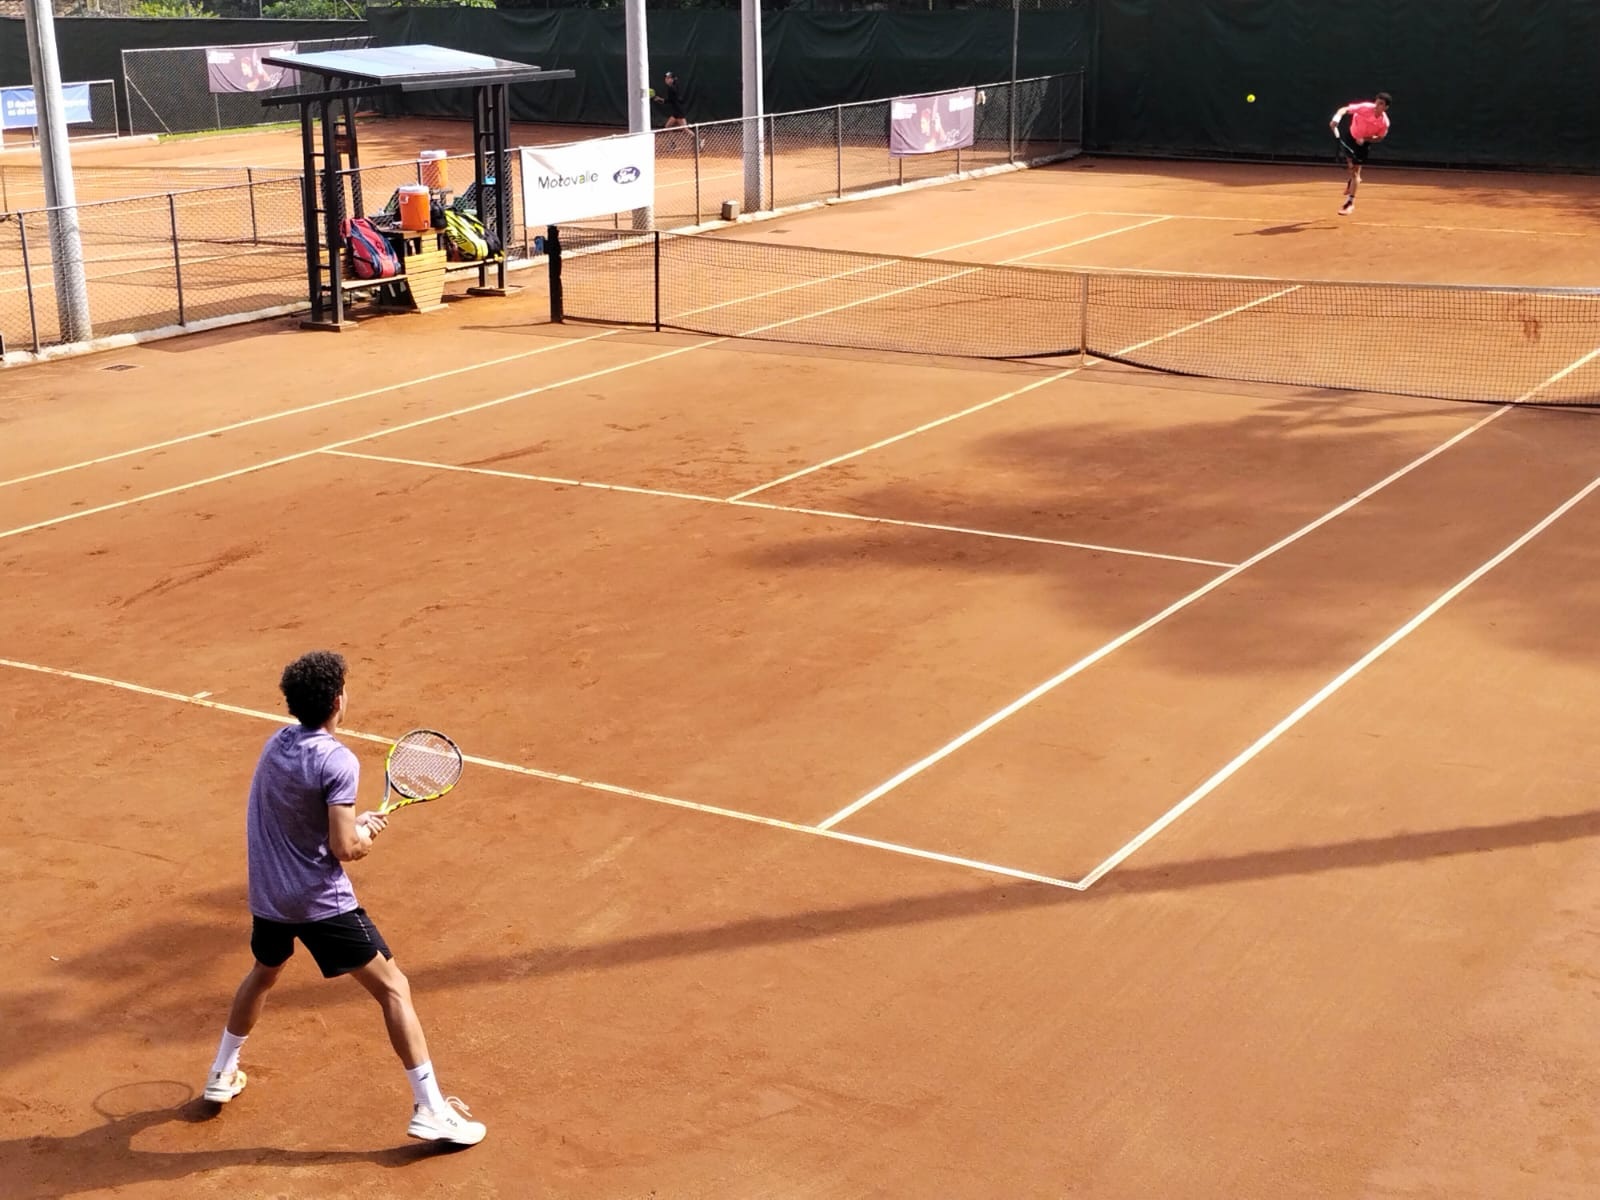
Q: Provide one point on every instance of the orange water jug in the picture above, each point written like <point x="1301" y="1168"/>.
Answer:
<point x="414" y="207"/>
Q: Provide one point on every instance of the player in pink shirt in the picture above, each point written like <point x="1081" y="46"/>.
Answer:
<point x="1369" y="122"/>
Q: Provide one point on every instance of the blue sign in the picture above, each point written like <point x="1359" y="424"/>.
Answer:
<point x="18" y="111"/>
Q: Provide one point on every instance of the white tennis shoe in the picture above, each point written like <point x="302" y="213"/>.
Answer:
<point x="222" y="1087"/>
<point x="1348" y="207"/>
<point x="449" y="1124"/>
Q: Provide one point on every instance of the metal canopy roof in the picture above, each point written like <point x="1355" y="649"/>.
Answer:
<point x="413" y="68"/>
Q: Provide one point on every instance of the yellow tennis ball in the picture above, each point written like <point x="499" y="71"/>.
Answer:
<point x="1250" y="99"/>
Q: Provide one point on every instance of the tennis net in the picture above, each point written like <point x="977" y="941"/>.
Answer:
<point x="1494" y="344"/>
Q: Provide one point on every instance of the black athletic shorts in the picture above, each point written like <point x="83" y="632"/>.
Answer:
<point x="1350" y="148"/>
<point x="338" y="944"/>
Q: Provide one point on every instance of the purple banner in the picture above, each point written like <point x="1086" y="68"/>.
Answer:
<point x="239" y="68"/>
<point x="930" y="124"/>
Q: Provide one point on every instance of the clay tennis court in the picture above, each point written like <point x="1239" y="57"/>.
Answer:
<point x="888" y="775"/>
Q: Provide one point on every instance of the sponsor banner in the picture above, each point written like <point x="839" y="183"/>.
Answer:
<point x="18" y="111"/>
<point x="929" y="124"/>
<point x="240" y="69"/>
<point x="588" y="179"/>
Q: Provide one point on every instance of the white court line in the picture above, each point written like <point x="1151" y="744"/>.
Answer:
<point x="1059" y="375"/>
<point x="1177" y="606"/>
<point x="900" y="437"/>
<point x="1082" y="664"/>
<point x="305" y="408"/>
<point x="1207" y="320"/>
<point x="472" y="408"/>
<point x="1344" y="677"/>
<point x="300" y="454"/>
<point x="1290" y="220"/>
<point x="199" y="700"/>
<point x="632" y="490"/>
<point x="206" y="433"/>
<point x="1083" y="241"/>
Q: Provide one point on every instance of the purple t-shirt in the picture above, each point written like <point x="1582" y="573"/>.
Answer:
<point x="294" y="876"/>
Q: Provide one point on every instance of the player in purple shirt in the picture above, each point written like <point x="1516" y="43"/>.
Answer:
<point x="302" y="828"/>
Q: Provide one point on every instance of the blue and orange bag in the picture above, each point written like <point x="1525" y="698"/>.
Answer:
<point x="371" y="256"/>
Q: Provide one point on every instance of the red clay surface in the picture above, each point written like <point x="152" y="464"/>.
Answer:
<point x="1362" y="963"/>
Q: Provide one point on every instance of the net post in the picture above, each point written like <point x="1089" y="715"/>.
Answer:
<point x="552" y="250"/>
<point x="1083" y="320"/>
<point x="838" y="151"/>
<point x="255" y="229"/>
<point x="177" y="257"/>
<point x="694" y="144"/>
<point x="27" y="280"/>
<point x="656" y="251"/>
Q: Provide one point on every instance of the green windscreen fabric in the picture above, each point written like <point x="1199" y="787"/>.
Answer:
<point x="1512" y="83"/>
<point x="91" y="47"/>
<point x="810" y="60"/>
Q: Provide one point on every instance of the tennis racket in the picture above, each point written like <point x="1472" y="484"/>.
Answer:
<point x="422" y="765"/>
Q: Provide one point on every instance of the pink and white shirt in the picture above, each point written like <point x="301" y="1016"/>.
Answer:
<point x="1367" y="124"/>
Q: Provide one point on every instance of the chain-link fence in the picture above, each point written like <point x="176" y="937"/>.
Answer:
<point x="169" y="89"/>
<point x="91" y="110"/>
<point x="231" y="240"/>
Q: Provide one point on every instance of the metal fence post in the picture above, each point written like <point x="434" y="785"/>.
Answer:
<point x="177" y="258"/>
<point x="772" y="174"/>
<point x="838" y="151"/>
<point x="27" y="281"/>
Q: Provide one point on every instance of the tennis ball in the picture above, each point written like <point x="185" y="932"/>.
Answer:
<point x="1250" y="99"/>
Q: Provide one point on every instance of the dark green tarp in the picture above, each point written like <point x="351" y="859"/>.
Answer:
<point x="1480" y="82"/>
<point x="811" y="59"/>
<point x="91" y="47"/>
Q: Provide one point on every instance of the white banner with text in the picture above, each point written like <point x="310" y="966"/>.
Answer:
<point x="588" y="179"/>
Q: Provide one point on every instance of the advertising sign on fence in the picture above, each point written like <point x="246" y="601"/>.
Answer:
<point x="18" y="111"/>
<point x="240" y="69"/>
<point x="929" y="124"/>
<point x="588" y="179"/>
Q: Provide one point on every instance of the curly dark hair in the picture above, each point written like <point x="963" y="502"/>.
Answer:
<point x="311" y="685"/>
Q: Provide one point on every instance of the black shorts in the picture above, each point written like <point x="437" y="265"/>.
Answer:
<point x="339" y="944"/>
<point x="1350" y="148"/>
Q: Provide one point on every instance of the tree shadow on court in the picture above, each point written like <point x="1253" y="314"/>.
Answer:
<point x="1220" y="490"/>
<point x="997" y="899"/>
<point x="104" y="1157"/>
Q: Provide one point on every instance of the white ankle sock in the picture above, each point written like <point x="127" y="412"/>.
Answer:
<point x="425" y="1088"/>
<point x="227" y="1060"/>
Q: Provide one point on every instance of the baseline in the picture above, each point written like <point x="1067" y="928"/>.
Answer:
<point x="199" y="699"/>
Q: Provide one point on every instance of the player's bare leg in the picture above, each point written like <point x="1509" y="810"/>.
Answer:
<point x="1350" y="187"/>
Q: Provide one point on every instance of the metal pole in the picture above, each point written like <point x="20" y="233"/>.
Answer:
<point x="177" y="257"/>
<point x="838" y="150"/>
<point x="695" y="144"/>
<point x="255" y="229"/>
<point x="1083" y="322"/>
<point x="658" y="278"/>
<point x="27" y="281"/>
<point x="755" y="159"/>
<point x="55" y="159"/>
<point x="552" y="249"/>
<point x="638" y="89"/>
<point x="772" y="163"/>
<point x="1011" y="104"/>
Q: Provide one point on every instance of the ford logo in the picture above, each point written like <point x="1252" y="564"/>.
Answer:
<point x="627" y="175"/>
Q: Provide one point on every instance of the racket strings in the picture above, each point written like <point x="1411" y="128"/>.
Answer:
<point x="424" y="764"/>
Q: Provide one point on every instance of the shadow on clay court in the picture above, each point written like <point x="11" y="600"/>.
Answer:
<point x="103" y="1157"/>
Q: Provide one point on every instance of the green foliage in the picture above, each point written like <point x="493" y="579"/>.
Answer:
<point x="171" y="8"/>
<point x="307" y="10"/>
